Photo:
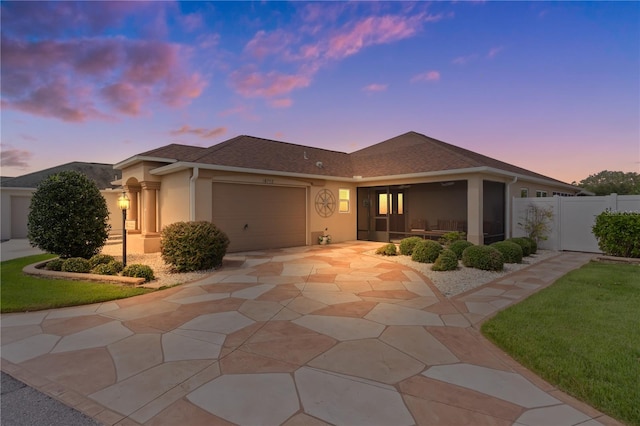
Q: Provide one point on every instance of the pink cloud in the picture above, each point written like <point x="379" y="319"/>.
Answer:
<point x="372" y="31"/>
<point x="267" y="85"/>
<point x="426" y="76"/>
<point x="199" y="131"/>
<point x="109" y="75"/>
<point x="13" y="157"/>
<point x="375" y="88"/>
<point x="281" y="102"/>
<point x="264" y="44"/>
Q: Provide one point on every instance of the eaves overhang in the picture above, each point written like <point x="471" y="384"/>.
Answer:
<point x="182" y="165"/>
<point x="140" y="158"/>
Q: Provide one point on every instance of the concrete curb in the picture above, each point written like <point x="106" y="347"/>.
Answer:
<point x="37" y="269"/>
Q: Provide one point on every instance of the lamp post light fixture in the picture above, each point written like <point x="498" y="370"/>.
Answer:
<point x="123" y="203"/>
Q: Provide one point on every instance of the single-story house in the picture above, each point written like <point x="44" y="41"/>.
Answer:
<point x="16" y="193"/>
<point x="268" y="194"/>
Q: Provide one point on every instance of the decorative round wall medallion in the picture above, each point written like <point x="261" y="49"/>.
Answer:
<point x="325" y="203"/>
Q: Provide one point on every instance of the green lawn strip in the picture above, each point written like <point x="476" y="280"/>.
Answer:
<point x="20" y="292"/>
<point x="582" y="334"/>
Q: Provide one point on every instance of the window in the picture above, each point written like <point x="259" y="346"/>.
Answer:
<point x="524" y="192"/>
<point x="344" y="196"/>
<point x="400" y="203"/>
<point x="383" y="204"/>
<point x="563" y="194"/>
<point x="541" y="193"/>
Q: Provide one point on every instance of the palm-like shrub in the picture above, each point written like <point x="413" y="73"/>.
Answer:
<point x="193" y="246"/>
<point x="426" y="251"/>
<point x="68" y="216"/>
<point x="408" y="244"/>
<point x="511" y="251"/>
<point x="483" y="257"/>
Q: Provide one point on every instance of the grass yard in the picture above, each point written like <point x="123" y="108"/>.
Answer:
<point x="581" y="334"/>
<point x="20" y="292"/>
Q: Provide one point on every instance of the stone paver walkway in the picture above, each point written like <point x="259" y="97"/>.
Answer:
<point x="304" y="336"/>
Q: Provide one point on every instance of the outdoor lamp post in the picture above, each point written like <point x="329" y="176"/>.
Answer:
<point x="123" y="203"/>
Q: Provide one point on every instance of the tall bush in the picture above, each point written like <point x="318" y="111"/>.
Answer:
<point x="193" y="246"/>
<point x="537" y="222"/>
<point x="618" y="233"/>
<point x="68" y="216"/>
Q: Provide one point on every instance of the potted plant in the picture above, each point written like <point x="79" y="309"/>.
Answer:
<point x="324" y="238"/>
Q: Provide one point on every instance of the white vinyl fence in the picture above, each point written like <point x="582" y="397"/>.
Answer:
<point x="573" y="218"/>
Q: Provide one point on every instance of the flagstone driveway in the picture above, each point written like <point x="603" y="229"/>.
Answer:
<point x="304" y="336"/>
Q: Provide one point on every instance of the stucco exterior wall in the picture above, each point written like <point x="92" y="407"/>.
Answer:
<point x="341" y="226"/>
<point x="173" y="199"/>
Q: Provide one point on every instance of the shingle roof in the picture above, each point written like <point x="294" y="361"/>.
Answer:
<point x="413" y="152"/>
<point x="408" y="153"/>
<point x="101" y="174"/>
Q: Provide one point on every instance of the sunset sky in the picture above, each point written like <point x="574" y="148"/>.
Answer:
<point x="553" y="87"/>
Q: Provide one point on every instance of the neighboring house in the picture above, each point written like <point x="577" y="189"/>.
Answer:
<point x="16" y="193"/>
<point x="269" y="194"/>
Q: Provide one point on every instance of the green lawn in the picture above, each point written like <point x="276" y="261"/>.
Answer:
<point x="20" y="292"/>
<point x="581" y="334"/>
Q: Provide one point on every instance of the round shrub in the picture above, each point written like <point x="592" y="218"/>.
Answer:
<point x="524" y="243"/>
<point x="483" y="257"/>
<point x="408" y="244"/>
<point x="426" y="251"/>
<point x="138" y="271"/>
<point x="55" y="264"/>
<point x="458" y="247"/>
<point x="116" y="265"/>
<point x="511" y="252"/>
<point x="533" y="243"/>
<point x="193" y="246"/>
<point x="76" y="264"/>
<point x="99" y="259"/>
<point x="104" y="269"/>
<point x="387" y="250"/>
<point x="447" y="261"/>
<point x="68" y="216"/>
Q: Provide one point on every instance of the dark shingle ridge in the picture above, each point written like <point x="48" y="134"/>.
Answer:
<point x="101" y="173"/>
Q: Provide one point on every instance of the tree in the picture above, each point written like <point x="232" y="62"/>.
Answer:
<point x="606" y="182"/>
<point x="68" y="216"/>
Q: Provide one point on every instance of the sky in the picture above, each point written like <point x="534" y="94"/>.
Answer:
<point x="553" y="87"/>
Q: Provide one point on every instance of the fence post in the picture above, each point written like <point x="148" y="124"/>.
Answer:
<point x="557" y="219"/>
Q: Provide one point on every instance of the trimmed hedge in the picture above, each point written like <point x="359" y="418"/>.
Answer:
<point x="511" y="251"/>
<point x="447" y="261"/>
<point x="193" y="246"/>
<point x="55" y="264"/>
<point x="525" y="243"/>
<point x="426" y="251"/>
<point x="76" y="264"/>
<point x="387" y="250"/>
<point x="100" y="259"/>
<point x="534" y="245"/>
<point x="111" y="268"/>
<point x="458" y="247"/>
<point x="138" y="271"/>
<point x="408" y="244"/>
<point x="618" y="233"/>
<point x="483" y="257"/>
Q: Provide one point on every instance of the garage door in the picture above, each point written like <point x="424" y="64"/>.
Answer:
<point x="257" y="217"/>
<point x="20" y="207"/>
